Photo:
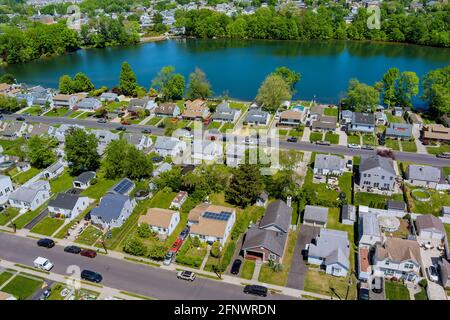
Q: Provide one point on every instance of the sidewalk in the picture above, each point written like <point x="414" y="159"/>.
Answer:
<point x="173" y="267"/>
<point x="306" y="134"/>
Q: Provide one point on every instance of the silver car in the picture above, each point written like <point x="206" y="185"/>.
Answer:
<point x="186" y="275"/>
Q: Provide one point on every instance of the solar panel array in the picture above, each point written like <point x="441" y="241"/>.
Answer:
<point x="123" y="186"/>
<point x="222" y="216"/>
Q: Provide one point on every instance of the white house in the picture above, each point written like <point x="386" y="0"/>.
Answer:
<point x="30" y="197"/>
<point x="83" y="181"/>
<point x="89" y="104"/>
<point x="397" y="258"/>
<point x="113" y="210"/>
<point x="179" y="199"/>
<point x="205" y="150"/>
<point x="140" y="141"/>
<point x="169" y="146"/>
<point x="426" y="176"/>
<point x="104" y="138"/>
<point x="162" y="221"/>
<point x="327" y="164"/>
<point x="6" y="188"/>
<point x="53" y="171"/>
<point x="68" y="205"/>
<point x="430" y="227"/>
<point x="331" y="251"/>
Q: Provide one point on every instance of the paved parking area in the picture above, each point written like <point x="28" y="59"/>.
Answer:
<point x="297" y="273"/>
<point x="37" y="219"/>
<point x="429" y="257"/>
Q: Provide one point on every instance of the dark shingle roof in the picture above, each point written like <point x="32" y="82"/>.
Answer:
<point x="375" y="162"/>
<point x="268" y="239"/>
<point x="277" y="214"/>
<point x="110" y="207"/>
<point x="64" y="201"/>
<point x="85" y="177"/>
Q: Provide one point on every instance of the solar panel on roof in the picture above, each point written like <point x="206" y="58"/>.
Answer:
<point x="222" y="216"/>
<point x="123" y="186"/>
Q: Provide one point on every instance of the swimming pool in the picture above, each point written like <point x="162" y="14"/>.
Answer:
<point x="300" y="108"/>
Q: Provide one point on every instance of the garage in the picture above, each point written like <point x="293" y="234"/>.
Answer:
<point x="430" y="227"/>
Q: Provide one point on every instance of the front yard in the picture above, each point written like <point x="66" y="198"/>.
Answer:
<point x="248" y="268"/>
<point x="315" y="136"/>
<point x="437" y="150"/>
<point x="393" y="144"/>
<point x="353" y="139"/>
<point x="47" y="226"/>
<point x="409" y="146"/>
<point x="396" y="291"/>
<point x="370" y="140"/>
<point x="322" y="283"/>
<point x="57" y="112"/>
<point x="7" y="215"/>
<point x="24" y="219"/>
<point x="332" y="137"/>
<point x="22" y="287"/>
<point x="89" y="236"/>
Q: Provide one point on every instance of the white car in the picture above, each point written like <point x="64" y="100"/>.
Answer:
<point x="168" y="258"/>
<point x="433" y="273"/>
<point x="186" y="275"/>
<point x="354" y="146"/>
<point x="43" y="263"/>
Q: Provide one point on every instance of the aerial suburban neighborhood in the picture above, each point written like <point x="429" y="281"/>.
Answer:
<point x="179" y="192"/>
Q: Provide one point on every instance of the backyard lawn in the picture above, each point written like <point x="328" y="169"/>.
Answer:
<point x="374" y="200"/>
<point x="434" y="205"/>
<point x="96" y="191"/>
<point x="315" y="136"/>
<point x="322" y="283"/>
<point x="12" y="147"/>
<point x="396" y="291"/>
<point x="355" y="139"/>
<point x="409" y="146"/>
<point x="62" y="183"/>
<point x="331" y="112"/>
<point x="248" y="267"/>
<point x="23" y="177"/>
<point x="47" y="226"/>
<point x="332" y="137"/>
<point x="392" y="119"/>
<point x="22" y="287"/>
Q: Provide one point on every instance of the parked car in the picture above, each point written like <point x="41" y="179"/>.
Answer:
<point x="256" y="290"/>
<point x="323" y="142"/>
<point x="91" y="276"/>
<point x="187" y="128"/>
<point x="157" y="159"/>
<point x="88" y="253"/>
<point x="292" y="139"/>
<point x="46" y="243"/>
<point x="20" y="119"/>
<point x="363" y="292"/>
<point x="186" y="275"/>
<point x="236" y="266"/>
<point x="445" y="155"/>
<point x="184" y="233"/>
<point x="147" y="131"/>
<point x="43" y="264"/>
<point x="354" y="146"/>
<point x="377" y="285"/>
<point x="367" y="147"/>
<point x="125" y="122"/>
<point x="121" y="128"/>
<point x="176" y="245"/>
<point x="433" y="273"/>
<point x="102" y="120"/>
<point x="46" y="294"/>
<point x="168" y="258"/>
<point x="72" y="249"/>
<point x="349" y="164"/>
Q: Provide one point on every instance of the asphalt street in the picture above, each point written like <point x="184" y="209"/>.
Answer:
<point x="127" y="276"/>
<point x="304" y="146"/>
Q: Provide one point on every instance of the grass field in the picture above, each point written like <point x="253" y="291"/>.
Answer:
<point x="248" y="267"/>
<point x="25" y="176"/>
<point x="331" y="112"/>
<point x="214" y="125"/>
<point x="322" y="283"/>
<point x="153" y="121"/>
<point x="315" y="136"/>
<point x="396" y="291"/>
<point x="24" y="219"/>
<point x="22" y="287"/>
<point x="353" y="139"/>
<point x="422" y="295"/>
<point x="5" y="276"/>
<point x="62" y="183"/>
<point x="89" y="236"/>
<point x="374" y="200"/>
<point x="437" y="150"/>
<point x="409" y="146"/>
<point x="433" y="206"/>
<point x="392" y="144"/>
<point x="59" y="112"/>
<point x="370" y="139"/>
<point x="47" y="226"/>
<point x="332" y="137"/>
<point x="226" y="127"/>
<point x="8" y="215"/>
<point x="97" y="190"/>
<point x="392" y="119"/>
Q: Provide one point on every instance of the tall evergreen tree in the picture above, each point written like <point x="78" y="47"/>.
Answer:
<point x="127" y="80"/>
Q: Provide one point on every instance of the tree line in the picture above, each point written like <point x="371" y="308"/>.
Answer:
<point x="289" y="23"/>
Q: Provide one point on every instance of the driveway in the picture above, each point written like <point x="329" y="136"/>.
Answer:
<point x="297" y="273"/>
<point x="429" y="257"/>
<point x="36" y="220"/>
<point x="38" y="293"/>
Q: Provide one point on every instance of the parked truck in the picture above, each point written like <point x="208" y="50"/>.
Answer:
<point x="43" y="263"/>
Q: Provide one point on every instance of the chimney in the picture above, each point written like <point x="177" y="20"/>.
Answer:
<point x="289" y="201"/>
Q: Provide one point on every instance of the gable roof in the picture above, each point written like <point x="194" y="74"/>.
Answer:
<point x="157" y="217"/>
<point x="399" y="129"/>
<point x="256" y="115"/>
<point x="376" y="161"/>
<point x="64" y="201"/>
<point x="316" y="213"/>
<point x="363" y="118"/>
<point x="333" y="246"/>
<point x="110" y="207"/>
<point x="166" y="143"/>
<point x="291" y="115"/>
<point x="271" y="240"/>
<point x="328" y="161"/>
<point x="398" y="250"/>
<point x="423" y="173"/>
<point x="277" y="214"/>
<point x="429" y="222"/>
<point x="85" y="177"/>
<point x="166" y="108"/>
<point x="369" y="225"/>
<point x="348" y="212"/>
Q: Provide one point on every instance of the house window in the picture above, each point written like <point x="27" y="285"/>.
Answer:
<point x="387" y="262"/>
<point x="389" y="272"/>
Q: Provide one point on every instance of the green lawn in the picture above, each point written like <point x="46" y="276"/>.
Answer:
<point x="226" y="126"/>
<point x="22" y="287"/>
<point x="59" y="112"/>
<point x="24" y="219"/>
<point x="13" y="147"/>
<point x="422" y="295"/>
<point x="162" y="200"/>
<point x="331" y="112"/>
<point x="89" y="236"/>
<point x="433" y="206"/>
<point x="75" y="114"/>
<point x="332" y="137"/>
<point x="282" y="132"/>
<point x="345" y="184"/>
<point x="238" y="105"/>
<point x="392" y="119"/>
<point x="392" y="144"/>
<point x="62" y="183"/>
<point x="85" y="115"/>
<point x="409" y="146"/>
<point x="353" y="139"/>
<point x="315" y="136"/>
<point x="370" y="139"/>
<point x="115" y="106"/>
<point x="437" y="150"/>
<point x="56" y="292"/>
<point x="8" y="215"/>
<point x="320" y="188"/>
<point x="34" y="111"/>
<point x="5" y="276"/>
<point x="248" y="267"/>
<point x="47" y="226"/>
<point x="153" y="121"/>
<point x="25" y="176"/>
<point x="374" y="200"/>
<point x="322" y="283"/>
<point x="99" y="189"/>
<point x="396" y="291"/>
<point x="214" y="125"/>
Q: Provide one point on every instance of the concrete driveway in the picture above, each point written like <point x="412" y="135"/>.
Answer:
<point x="429" y="257"/>
<point x="297" y="273"/>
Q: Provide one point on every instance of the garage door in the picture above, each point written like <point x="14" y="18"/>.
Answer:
<point x="425" y="234"/>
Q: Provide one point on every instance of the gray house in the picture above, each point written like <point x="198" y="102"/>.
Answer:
<point x="426" y="176"/>
<point x="226" y="114"/>
<point x="362" y="122"/>
<point x="399" y="130"/>
<point x="83" y="181"/>
<point x="257" y="117"/>
<point x="326" y="164"/>
<point x="90" y="104"/>
<point x="348" y="214"/>
<point x="113" y="210"/>
<point x="316" y="216"/>
<point x="377" y="172"/>
<point x="267" y="241"/>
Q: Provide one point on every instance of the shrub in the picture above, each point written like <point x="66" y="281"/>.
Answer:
<point x="94" y="181"/>
<point x="157" y="252"/>
<point x="216" y="251"/>
<point x="423" y="283"/>
<point x="135" y="247"/>
<point x="144" y="230"/>
<point x="196" y="242"/>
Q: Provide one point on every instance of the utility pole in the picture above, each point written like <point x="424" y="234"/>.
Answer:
<point x="102" y="241"/>
<point x="349" y="282"/>
<point x="6" y="213"/>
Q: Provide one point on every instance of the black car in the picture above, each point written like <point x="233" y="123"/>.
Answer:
<point x="147" y="131"/>
<point x="184" y="233"/>
<point x="256" y="290"/>
<point x="187" y="128"/>
<point x="157" y="159"/>
<point x="45" y="242"/>
<point x="72" y="249"/>
<point x="20" y="119"/>
<point x="363" y="294"/>
<point x="292" y="139"/>
<point x="91" y="276"/>
<point x="121" y="128"/>
<point x="236" y="266"/>
<point x="102" y="120"/>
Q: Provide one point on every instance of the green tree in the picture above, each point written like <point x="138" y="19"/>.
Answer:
<point x="245" y="185"/>
<point x="273" y="91"/>
<point x="82" y="83"/>
<point x="81" y="151"/>
<point x="361" y="96"/>
<point x="436" y="90"/>
<point x="389" y="86"/>
<point x="408" y="87"/>
<point x="41" y="151"/>
<point x="169" y="84"/>
<point x="291" y="77"/>
<point x="135" y="247"/>
<point x="198" y="86"/>
<point x="127" y="80"/>
<point x="144" y="231"/>
<point x="157" y="252"/>
<point x="66" y="85"/>
<point x="216" y="249"/>
<point x="11" y="104"/>
<point x="8" y="78"/>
